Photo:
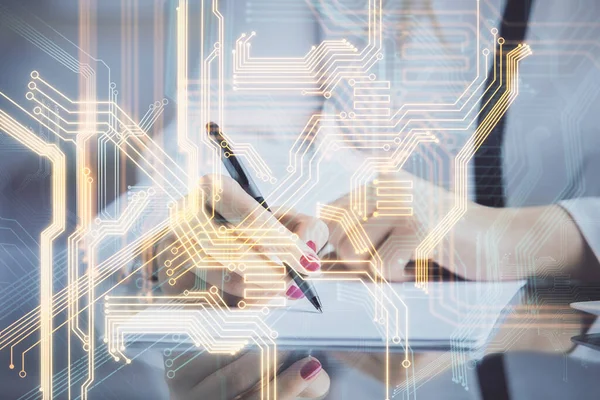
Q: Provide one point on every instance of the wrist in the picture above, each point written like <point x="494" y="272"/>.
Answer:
<point x="475" y="244"/>
<point x="461" y="252"/>
<point x="517" y="243"/>
<point x="520" y="243"/>
<point x="506" y="243"/>
<point x="543" y="242"/>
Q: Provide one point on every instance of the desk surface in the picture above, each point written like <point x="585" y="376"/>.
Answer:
<point x="544" y="321"/>
<point x="538" y="359"/>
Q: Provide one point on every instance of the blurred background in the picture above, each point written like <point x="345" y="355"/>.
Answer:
<point x="128" y="37"/>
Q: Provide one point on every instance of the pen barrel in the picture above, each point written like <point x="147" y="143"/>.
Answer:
<point x="242" y="176"/>
<point x="305" y="286"/>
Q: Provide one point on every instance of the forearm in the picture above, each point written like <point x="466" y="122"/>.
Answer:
<point x="529" y="241"/>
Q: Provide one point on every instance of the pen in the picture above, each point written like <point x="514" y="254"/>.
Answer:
<point x="240" y="174"/>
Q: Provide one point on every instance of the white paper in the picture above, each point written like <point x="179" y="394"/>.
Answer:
<point x="450" y="315"/>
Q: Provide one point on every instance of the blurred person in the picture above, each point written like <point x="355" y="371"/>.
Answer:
<point x="540" y="203"/>
<point x="547" y="162"/>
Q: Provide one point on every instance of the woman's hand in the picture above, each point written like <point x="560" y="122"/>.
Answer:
<point x="209" y="376"/>
<point x="374" y="365"/>
<point x="484" y="244"/>
<point x="294" y="237"/>
<point x="394" y="238"/>
<point x="239" y="377"/>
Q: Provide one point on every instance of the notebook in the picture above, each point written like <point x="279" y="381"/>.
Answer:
<point x="451" y="315"/>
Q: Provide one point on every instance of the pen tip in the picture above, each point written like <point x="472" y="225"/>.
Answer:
<point x="314" y="300"/>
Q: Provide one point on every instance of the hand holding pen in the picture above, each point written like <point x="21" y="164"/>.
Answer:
<point x="241" y="214"/>
<point x="241" y="175"/>
<point x="298" y="375"/>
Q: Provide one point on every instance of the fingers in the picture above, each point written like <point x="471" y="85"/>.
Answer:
<point x="177" y="273"/>
<point x="391" y="239"/>
<point x="235" y="378"/>
<point x="374" y="364"/>
<point x="254" y="222"/>
<point x="205" y="376"/>
<point x="257" y="274"/>
<point x="191" y="369"/>
<point x="395" y="254"/>
<point x="256" y="280"/>
<point x="349" y="240"/>
<point x="343" y="234"/>
<point x="312" y="231"/>
<point x="233" y="284"/>
<point x="375" y="229"/>
<point x="305" y="378"/>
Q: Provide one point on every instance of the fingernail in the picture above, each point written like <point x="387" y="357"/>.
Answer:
<point x="311" y="369"/>
<point x="294" y="292"/>
<point x="310" y="263"/>
<point x="312" y="245"/>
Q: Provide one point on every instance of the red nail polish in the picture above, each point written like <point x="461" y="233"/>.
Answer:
<point x="294" y="292"/>
<point x="311" y="369"/>
<point x="310" y="263"/>
<point x="312" y="245"/>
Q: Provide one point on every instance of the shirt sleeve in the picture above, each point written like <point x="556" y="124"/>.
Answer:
<point x="585" y="211"/>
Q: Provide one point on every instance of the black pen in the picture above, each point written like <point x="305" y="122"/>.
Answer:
<point x="238" y="172"/>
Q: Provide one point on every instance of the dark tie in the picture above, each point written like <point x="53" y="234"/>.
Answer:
<point x="489" y="190"/>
